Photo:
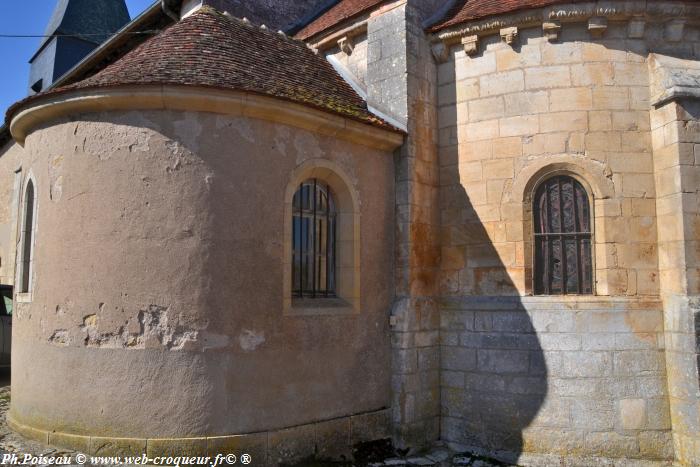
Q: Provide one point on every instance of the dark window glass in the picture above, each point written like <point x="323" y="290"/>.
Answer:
<point x="563" y="262"/>
<point x="27" y="233"/>
<point x="6" y="301"/>
<point x="313" y="241"/>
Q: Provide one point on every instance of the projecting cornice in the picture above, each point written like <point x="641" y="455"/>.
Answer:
<point x="674" y="15"/>
<point x="185" y="98"/>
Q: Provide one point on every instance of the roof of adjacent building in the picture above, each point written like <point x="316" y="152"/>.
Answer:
<point x="342" y="11"/>
<point x="210" y="49"/>
<point x="92" y="20"/>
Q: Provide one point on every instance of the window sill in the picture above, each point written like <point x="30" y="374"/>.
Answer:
<point x="23" y="297"/>
<point x="320" y="306"/>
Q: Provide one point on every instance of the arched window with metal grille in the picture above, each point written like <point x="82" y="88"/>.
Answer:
<point x="313" y="241"/>
<point x="563" y="238"/>
<point x="27" y="237"/>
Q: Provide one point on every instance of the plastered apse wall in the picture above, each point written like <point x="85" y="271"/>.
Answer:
<point x="157" y="302"/>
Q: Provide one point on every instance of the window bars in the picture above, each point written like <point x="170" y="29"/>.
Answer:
<point x="563" y="258"/>
<point x="313" y="241"/>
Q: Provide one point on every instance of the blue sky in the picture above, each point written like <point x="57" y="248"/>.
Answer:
<point x="28" y="17"/>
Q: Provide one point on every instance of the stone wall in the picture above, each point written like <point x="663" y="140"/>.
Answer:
<point x="676" y="138"/>
<point x="574" y="376"/>
<point x="159" y="270"/>
<point x="401" y="83"/>
<point x="534" y="378"/>
<point x="10" y="165"/>
<point x="509" y="114"/>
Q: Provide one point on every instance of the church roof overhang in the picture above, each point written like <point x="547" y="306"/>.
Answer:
<point x="471" y="20"/>
<point x="36" y="112"/>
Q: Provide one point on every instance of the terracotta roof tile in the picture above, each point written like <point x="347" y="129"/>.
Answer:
<point x="344" y="10"/>
<point x="468" y="10"/>
<point x="209" y="49"/>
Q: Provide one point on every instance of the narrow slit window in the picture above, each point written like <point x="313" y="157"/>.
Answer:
<point x="313" y="241"/>
<point x="27" y="238"/>
<point x="563" y="239"/>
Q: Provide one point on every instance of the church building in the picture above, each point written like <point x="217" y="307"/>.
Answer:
<point x="288" y="228"/>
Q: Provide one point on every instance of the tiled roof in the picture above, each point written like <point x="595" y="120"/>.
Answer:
<point x="468" y="10"/>
<point x="209" y="49"/>
<point x="345" y="9"/>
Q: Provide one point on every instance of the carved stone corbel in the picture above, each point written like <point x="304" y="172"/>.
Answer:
<point x="440" y="52"/>
<point x="346" y="44"/>
<point x="509" y="35"/>
<point x="471" y="45"/>
<point x="597" y="26"/>
<point x="551" y="30"/>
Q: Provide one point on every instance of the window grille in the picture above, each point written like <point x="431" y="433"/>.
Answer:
<point x="28" y="240"/>
<point x="314" y="241"/>
<point x="563" y="258"/>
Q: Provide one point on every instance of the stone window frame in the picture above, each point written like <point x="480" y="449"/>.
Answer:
<point x="347" y="300"/>
<point x="598" y="186"/>
<point x="25" y="297"/>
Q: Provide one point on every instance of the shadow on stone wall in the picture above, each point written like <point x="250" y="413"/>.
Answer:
<point x="493" y="368"/>
<point x="494" y="371"/>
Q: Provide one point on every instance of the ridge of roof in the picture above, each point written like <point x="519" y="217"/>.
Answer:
<point x="215" y="50"/>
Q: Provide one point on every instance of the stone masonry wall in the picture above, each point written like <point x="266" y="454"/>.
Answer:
<point x="401" y="83"/>
<point x="550" y="376"/>
<point x="509" y="113"/>
<point x="540" y="378"/>
<point x="677" y="168"/>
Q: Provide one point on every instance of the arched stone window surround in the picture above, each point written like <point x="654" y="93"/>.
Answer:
<point x="591" y="174"/>
<point x="25" y="266"/>
<point x="347" y="241"/>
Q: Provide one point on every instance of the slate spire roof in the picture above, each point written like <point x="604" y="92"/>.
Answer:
<point x="213" y="50"/>
<point x="88" y="17"/>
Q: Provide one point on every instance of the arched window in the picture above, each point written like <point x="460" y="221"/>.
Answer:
<point x="313" y="241"/>
<point x="27" y="238"/>
<point x="563" y="261"/>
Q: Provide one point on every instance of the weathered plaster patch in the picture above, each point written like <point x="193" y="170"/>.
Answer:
<point x="307" y="146"/>
<point x="282" y="136"/>
<point x="60" y="337"/>
<point x="117" y="137"/>
<point x="251" y="340"/>
<point x="212" y="341"/>
<point x="156" y="328"/>
<point x="241" y="125"/>
<point x="189" y="130"/>
<point x="151" y="329"/>
<point x="56" y="178"/>
<point x="181" y="156"/>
